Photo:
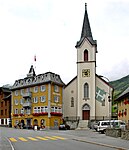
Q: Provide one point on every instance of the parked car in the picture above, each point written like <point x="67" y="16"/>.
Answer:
<point x="102" y="125"/>
<point x="64" y="127"/>
<point x="95" y="126"/>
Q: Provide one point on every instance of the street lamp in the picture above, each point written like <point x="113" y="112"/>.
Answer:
<point x="109" y="97"/>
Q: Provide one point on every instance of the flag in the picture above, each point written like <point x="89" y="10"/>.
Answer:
<point x="35" y="58"/>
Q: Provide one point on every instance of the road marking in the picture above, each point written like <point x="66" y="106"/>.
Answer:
<point x="31" y="138"/>
<point x="13" y="139"/>
<point x="12" y="148"/>
<point x="36" y="138"/>
<point x="41" y="138"/>
<point x="58" y="137"/>
<point x="22" y="139"/>
<point x="51" y="138"/>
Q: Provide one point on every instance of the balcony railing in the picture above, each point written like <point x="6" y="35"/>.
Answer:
<point x="27" y="104"/>
<point x="27" y="94"/>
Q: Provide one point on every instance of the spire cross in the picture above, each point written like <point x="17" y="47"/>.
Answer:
<point x="85" y="6"/>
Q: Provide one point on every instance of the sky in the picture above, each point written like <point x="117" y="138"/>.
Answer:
<point x="50" y="29"/>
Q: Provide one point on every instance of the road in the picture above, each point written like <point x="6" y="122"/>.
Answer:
<point x="58" y="140"/>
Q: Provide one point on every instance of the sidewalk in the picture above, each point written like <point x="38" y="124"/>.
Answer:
<point x="93" y="137"/>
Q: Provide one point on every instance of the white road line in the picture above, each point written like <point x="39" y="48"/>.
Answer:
<point x="10" y="143"/>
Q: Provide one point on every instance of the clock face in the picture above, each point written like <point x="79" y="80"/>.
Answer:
<point x="86" y="72"/>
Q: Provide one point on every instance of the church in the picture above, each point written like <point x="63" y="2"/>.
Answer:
<point x="87" y="97"/>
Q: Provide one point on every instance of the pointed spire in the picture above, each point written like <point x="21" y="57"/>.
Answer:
<point x="86" y="30"/>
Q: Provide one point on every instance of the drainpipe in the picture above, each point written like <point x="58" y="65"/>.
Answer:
<point x="49" y="102"/>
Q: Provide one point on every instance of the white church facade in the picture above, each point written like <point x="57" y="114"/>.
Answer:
<point x="87" y="96"/>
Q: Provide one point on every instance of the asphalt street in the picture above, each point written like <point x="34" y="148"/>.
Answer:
<point x="19" y="139"/>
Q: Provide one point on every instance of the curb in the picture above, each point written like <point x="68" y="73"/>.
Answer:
<point x="100" y="144"/>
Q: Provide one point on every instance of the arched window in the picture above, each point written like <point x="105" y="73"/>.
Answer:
<point x="86" y="90"/>
<point x="86" y="55"/>
<point x="42" y="123"/>
<point x="72" y="102"/>
<point x="35" y="122"/>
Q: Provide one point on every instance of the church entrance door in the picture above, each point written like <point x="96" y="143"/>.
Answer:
<point x="86" y="115"/>
<point x="86" y="112"/>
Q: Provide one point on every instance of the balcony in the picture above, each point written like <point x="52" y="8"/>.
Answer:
<point x="27" y="95"/>
<point x="27" y="104"/>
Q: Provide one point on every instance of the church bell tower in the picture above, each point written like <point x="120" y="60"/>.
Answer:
<point x="86" y="71"/>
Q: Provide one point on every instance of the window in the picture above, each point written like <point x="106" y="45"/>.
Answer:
<point x="122" y="113"/>
<point x="56" y="99"/>
<point x="38" y="109"/>
<point x="35" y="100"/>
<point x="86" y="55"/>
<point x="56" y="109"/>
<point x="16" y="93"/>
<point x="42" y="98"/>
<point x="16" y="102"/>
<point x="5" y="103"/>
<point x="42" y="109"/>
<point x="86" y="91"/>
<point x="60" y="110"/>
<point x="22" y="91"/>
<point x="22" y="111"/>
<point x="46" y="109"/>
<point x="56" y="123"/>
<point x="1" y="104"/>
<point x="35" y="110"/>
<point x="52" y="109"/>
<point x="1" y="112"/>
<point x="5" y="111"/>
<point x="35" y="122"/>
<point x="72" y="102"/>
<point x="27" y="111"/>
<point x="27" y="90"/>
<point x="21" y="101"/>
<point x="15" y="111"/>
<point x="42" y="88"/>
<point x="35" y="89"/>
<point x="56" y="88"/>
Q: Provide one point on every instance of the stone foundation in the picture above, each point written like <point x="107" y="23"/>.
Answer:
<point x="113" y="132"/>
<point x="124" y="134"/>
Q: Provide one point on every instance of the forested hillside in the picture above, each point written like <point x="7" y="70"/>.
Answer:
<point x="120" y="85"/>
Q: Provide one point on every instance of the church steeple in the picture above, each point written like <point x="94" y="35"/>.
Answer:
<point x="86" y="30"/>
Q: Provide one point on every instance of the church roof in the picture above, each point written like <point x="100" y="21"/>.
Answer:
<point x="86" y="30"/>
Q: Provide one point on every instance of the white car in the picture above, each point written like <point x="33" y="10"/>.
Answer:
<point x="102" y="125"/>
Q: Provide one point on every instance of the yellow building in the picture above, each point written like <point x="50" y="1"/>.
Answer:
<point x="123" y="106"/>
<point x="37" y="100"/>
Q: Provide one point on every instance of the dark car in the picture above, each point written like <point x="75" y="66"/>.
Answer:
<point x="64" y="127"/>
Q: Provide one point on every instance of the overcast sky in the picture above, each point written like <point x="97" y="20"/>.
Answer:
<point x="50" y="29"/>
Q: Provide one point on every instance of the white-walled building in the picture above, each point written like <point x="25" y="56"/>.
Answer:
<point x="86" y="96"/>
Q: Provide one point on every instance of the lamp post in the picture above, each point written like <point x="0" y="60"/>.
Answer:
<point x="109" y="97"/>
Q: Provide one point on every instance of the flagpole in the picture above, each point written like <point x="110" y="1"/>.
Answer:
<point x="35" y="61"/>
